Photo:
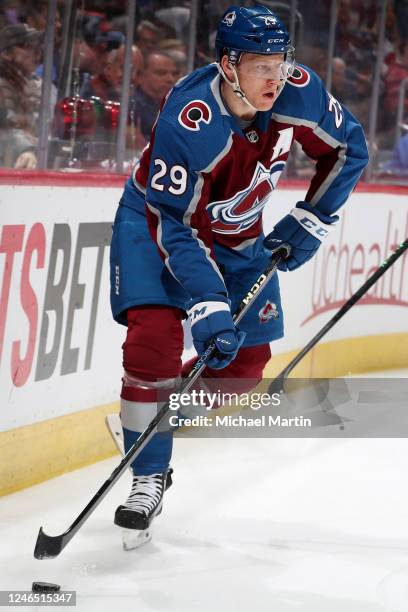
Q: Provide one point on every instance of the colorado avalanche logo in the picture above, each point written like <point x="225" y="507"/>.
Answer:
<point x="299" y="78"/>
<point x="269" y="21"/>
<point x="193" y="113"/>
<point x="268" y="311"/>
<point x="229" y="18"/>
<point x="244" y="209"/>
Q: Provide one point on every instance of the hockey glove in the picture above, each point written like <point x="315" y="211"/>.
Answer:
<point x="211" y="320"/>
<point x="303" y="229"/>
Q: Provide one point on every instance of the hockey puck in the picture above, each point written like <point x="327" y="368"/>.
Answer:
<point x="45" y="587"/>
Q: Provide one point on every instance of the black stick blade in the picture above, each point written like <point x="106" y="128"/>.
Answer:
<point x="278" y="384"/>
<point x="48" y="546"/>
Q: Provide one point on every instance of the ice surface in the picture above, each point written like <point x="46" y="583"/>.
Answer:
<point x="282" y="525"/>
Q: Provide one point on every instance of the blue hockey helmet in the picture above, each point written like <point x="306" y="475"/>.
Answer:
<point x="251" y="30"/>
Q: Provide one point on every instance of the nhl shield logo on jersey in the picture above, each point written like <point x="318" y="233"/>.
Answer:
<point x="193" y="114"/>
<point x="252" y="136"/>
<point x="244" y="209"/>
<point x="268" y="311"/>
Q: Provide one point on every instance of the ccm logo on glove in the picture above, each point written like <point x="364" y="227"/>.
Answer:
<point x="204" y="309"/>
<point x="303" y="231"/>
<point x="211" y="321"/>
<point x="311" y="223"/>
<point x="222" y="341"/>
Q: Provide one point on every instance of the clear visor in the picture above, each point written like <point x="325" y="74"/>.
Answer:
<point x="263" y="68"/>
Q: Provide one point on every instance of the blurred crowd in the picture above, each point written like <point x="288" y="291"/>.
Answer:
<point x="88" y="67"/>
<point x="353" y="66"/>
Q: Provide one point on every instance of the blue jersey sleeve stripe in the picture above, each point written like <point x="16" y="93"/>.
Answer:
<point x="313" y="125"/>
<point x="188" y="270"/>
<point x="337" y="183"/>
<point x="136" y="183"/>
<point x="327" y="138"/>
<point x="291" y="120"/>
<point x="331" y="177"/>
<point x="221" y="154"/>
<point x="192" y="207"/>
<point x="215" y="88"/>
<point x="156" y="212"/>
<point x="168" y="258"/>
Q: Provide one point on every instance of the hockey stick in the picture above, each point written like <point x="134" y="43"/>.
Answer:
<point x="51" y="546"/>
<point x="277" y="383"/>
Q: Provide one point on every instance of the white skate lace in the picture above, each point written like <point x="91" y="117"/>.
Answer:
<point x="146" y="493"/>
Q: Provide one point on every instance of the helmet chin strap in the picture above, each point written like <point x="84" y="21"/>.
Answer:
<point x="236" y="87"/>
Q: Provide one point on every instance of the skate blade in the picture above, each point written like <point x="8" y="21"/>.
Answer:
<point x="114" y="426"/>
<point x="135" y="538"/>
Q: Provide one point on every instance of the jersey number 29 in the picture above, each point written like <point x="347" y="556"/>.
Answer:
<point x="178" y="178"/>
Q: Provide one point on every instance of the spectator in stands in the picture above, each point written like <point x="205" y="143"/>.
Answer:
<point x="316" y="21"/>
<point x="107" y="85"/>
<point x="148" y="36"/>
<point x="338" y="78"/>
<point x="93" y="46"/>
<point x="344" y="26"/>
<point x="355" y="42"/>
<point x="137" y="66"/>
<point x="399" y="162"/>
<point x="9" y="13"/>
<point x="316" y="58"/>
<point x="397" y="71"/>
<point x="401" y="18"/>
<point x="20" y="95"/>
<point x="35" y="16"/>
<point x="349" y="86"/>
<point x="98" y="34"/>
<point x="159" y="76"/>
<point x="176" y="49"/>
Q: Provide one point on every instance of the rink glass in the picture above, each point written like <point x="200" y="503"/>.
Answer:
<point x="352" y="50"/>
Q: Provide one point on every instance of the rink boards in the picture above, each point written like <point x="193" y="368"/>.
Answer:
<point x="60" y="355"/>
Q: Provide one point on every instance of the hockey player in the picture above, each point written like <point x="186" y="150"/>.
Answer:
<point x="187" y="237"/>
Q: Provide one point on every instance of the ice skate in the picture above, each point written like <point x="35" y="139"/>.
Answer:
<point x="114" y="425"/>
<point x="144" y="503"/>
